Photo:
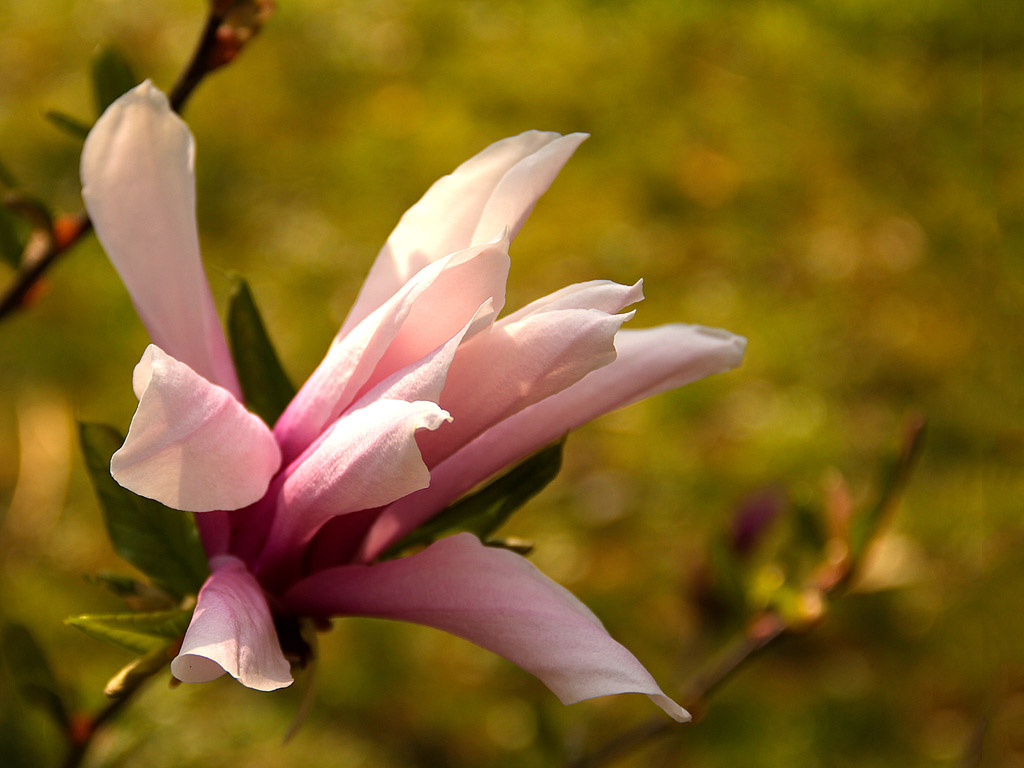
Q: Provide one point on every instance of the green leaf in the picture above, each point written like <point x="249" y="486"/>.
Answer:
<point x="111" y="77"/>
<point x="484" y="512"/>
<point x="138" y="632"/>
<point x="137" y="671"/>
<point x="264" y="383"/>
<point x="162" y="543"/>
<point x="72" y="126"/>
<point x="11" y="246"/>
<point x="809" y="527"/>
<point x="31" y="672"/>
<point x="6" y="177"/>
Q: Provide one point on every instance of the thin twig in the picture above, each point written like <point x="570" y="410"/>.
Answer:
<point x="834" y="577"/>
<point x="759" y="634"/>
<point x="35" y="260"/>
<point x="216" y="47"/>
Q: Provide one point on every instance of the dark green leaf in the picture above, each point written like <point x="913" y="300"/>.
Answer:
<point x="160" y="542"/>
<point x="808" y="525"/>
<point x="111" y="77"/>
<point x="72" y="126"/>
<point x="32" y="209"/>
<point x="484" y="512"/>
<point x="138" y="632"/>
<point x="31" y="672"/>
<point x="866" y="524"/>
<point x="11" y="246"/>
<point x="264" y="383"/>
<point x="6" y="177"/>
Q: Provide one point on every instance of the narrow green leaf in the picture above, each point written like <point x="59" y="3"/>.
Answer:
<point x="111" y="76"/>
<point x="162" y="543"/>
<point x="138" y="632"/>
<point x="11" y="245"/>
<point x="137" y="671"/>
<point x="31" y="672"/>
<point x="264" y="383"/>
<point x="486" y="510"/>
<point x="513" y="544"/>
<point x="72" y="126"/>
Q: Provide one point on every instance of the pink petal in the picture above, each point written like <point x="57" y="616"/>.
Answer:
<point x="139" y="189"/>
<point x="513" y="365"/>
<point x="368" y="458"/>
<point x="191" y="444"/>
<point x="649" y="361"/>
<point x="432" y="307"/>
<point x="493" y="190"/>
<point x="425" y="378"/>
<point x="596" y="294"/>
<point x="495" y="599"/>
<point x="232" y="631"/>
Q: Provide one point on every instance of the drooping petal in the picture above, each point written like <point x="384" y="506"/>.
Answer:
<point x="429" y="309"/>
<point x="232" y="631"/>
<point x="191" y="444"/>
<point x="493" y="190"/>
<point x="649" y="361"/>
<point x="513" y="365"/>
<point x="139" y="189"/>
<point x="493" y="598"/>
<point x="367" y="459"/>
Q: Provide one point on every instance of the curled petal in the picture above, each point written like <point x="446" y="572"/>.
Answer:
<point x="649" y="361"/>
<point x="596" y="294"/>
<point x="232" y="631"/>
<point x="493" y="598"/>
<point x="430" y="308"/>
<point x="489" y="192"/>
<point x="139" y="188"/>
<point x="191" y="444"/>
<point x="368" y="458"/>
<point x="513" y="365"/>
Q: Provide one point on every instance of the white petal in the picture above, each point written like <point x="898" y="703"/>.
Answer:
<point x="489" y="192"/>
<point x="191" y="444"/>
<point x="232" y="631"/>
<point x="139" y="189"/>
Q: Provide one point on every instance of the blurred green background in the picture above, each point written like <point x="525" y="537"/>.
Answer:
<point x="837" y="180"/>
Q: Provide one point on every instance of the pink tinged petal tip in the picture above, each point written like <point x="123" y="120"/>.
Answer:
<point x="232" y="631"/>
<point x="492" y="191"/>
<point x="499" y="601"/>
<point x="192" y="445"/>
<point x="139" y="188"/>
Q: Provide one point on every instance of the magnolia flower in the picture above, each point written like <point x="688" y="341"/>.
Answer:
<point x="423" y="394"/>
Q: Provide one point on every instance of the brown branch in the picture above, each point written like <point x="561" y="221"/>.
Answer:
<point x="834" y="576"/>
<point x="219" y="43"/>
<point x="760" y="633"/>
<point x="42" y="250"/>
